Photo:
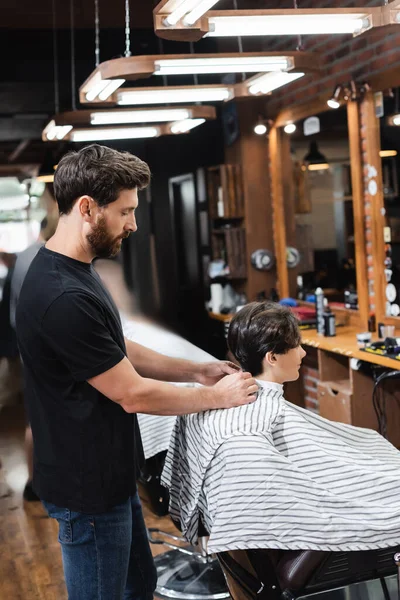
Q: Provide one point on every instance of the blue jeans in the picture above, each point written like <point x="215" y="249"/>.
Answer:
<point x="106" y="556"/>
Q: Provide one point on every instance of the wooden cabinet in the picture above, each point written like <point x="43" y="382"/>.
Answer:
<point x="229" y="244"/>
<point x="225" y="192"/>
<point x="226" y="208"/>
<point x="335" y="400"/>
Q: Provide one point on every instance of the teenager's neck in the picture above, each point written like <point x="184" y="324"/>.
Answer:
<point x="268" y="376"/>
<point x="69" y="240"/>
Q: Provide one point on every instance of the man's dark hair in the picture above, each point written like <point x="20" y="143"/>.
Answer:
<point x="262" y="327"/>
<point x="99" y="172"/>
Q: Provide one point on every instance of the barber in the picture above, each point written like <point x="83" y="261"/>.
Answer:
<point x="85" y="382"/>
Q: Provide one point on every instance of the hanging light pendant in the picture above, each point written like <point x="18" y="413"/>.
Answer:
<point x="84" y="125"/>
<point x="173" y="23"/>
<point x="109" y="76"/>
<point x="315" y="160"/>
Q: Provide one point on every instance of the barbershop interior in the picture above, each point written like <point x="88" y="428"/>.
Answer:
<point x="268" y="235"/>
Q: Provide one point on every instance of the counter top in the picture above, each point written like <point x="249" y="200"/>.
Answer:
<point x="345" y="343"/>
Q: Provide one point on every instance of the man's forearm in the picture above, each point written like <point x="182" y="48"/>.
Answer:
<point x="158" y="366"/>
<point x="156" y="398"/>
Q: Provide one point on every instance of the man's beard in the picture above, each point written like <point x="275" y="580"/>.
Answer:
<point x="101" y="242"/>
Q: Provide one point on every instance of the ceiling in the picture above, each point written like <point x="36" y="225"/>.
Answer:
<point x="38" y="14"/>
<point x="27" y="77"/>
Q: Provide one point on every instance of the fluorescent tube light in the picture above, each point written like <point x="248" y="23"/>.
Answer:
<point x="195" y="14"/>
<point x="186" y="125"/>
<point x="139" y="116"/>
<point x="180" y="95"/>
<point x="287" y="25"/>
<point x="62" y="131"/>
<point x="53" y="131"/>
<point x="271" y="81"/>
<point x="123" y="133"/>
<point x="255" y="64"/>
<point x="194" y="9"/>
<point x="112" y="85"/>
<point x="100" y="88"/>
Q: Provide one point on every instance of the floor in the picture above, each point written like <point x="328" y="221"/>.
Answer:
<point x="30" y="559"/>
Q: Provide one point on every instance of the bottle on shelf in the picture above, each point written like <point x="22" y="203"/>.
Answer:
<point x="329" y="320"/>
<point x="372" y="323"/>
<point x="300" y="288"/>
<point x="220" y="203"/>
<point x="319" y="308"/>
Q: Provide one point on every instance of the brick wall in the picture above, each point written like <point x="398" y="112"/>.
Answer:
<point x="310" y="382"/>
<point x="344" y="57"/>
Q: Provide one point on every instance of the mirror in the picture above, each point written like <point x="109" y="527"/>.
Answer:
<point x="390" y="156"/>
<point x="323" y="208"/>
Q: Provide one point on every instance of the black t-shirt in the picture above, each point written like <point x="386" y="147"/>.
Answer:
<point x="69" y="331"/>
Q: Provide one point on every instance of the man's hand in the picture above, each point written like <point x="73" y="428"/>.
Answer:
<point x="211" y="373"/>
<point x="236" y="390"/>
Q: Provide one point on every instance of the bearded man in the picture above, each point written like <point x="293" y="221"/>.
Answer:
<point x="85" y="381"/>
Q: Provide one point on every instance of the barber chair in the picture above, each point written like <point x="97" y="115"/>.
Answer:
<point x="288" y="575"/>
<point x="379" y="398"/>
<point x="184" y="572"/>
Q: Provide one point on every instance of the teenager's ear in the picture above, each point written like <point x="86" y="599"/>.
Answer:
<point x="270" y="359"/>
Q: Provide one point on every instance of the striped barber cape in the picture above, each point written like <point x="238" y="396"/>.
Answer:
<point x="273" y="475"/>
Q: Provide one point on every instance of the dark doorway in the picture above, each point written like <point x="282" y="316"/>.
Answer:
<point x="190" y="308"/>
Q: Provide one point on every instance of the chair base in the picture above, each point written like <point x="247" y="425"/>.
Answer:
<point x="185" y="577"/>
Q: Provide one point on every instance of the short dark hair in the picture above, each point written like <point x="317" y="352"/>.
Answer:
<point x="99" y="172"/>
<point x="261" y="327"/>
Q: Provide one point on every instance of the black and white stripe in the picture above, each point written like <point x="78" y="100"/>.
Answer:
<point x="273" y="475"/>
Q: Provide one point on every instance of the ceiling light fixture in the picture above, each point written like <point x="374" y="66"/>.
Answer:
<point x="171" y="22"/>
<point x="315" y="160"/>
<point x="56" y="132"/>
<point x="118" y="117"/>
<point x="100" y="89"/>
<point x="334" y="101"/>
<point x="394" y="120"/>
<point x="80" y="132"/>
<point x="290" y="128"/>
<point x="186" y="125"/>
<point x="260" y="129"/>
<point x="310" y="24"/>
<point x="387" y="153"/>
<point x="110" y="75"/>
<point x="223" y="64"/>
<point x="175" y="95"/>
<point x="265" y="84"/>
<point x="117" y="133"/>
<point x="192" y="10"/>
<point x="83" y="119"/>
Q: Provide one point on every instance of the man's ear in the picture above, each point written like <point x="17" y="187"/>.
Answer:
<point x="85" y="207"/>
<point x="270" y="359"/>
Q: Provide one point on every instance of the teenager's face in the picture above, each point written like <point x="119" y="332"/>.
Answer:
<point x="114" y="223"/>
<point x="286" y="367"/>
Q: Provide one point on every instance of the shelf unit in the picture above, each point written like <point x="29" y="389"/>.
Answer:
<point x="226" y="208"/>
